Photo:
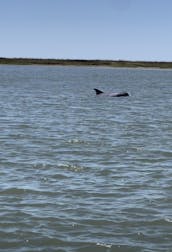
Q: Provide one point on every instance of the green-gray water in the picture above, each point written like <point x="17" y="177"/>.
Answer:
<point x="83" y="173"/>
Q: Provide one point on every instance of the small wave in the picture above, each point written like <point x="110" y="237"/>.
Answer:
<point x="76" y="141"/>
<point x="13" y="191"/>
<point x="104" y="245"/>
<point x="72" y="167"/>
<point x="168" y="219"/>
<point x="60" y="165"/>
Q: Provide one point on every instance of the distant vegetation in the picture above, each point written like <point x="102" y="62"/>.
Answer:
<point x="78" y="62"/>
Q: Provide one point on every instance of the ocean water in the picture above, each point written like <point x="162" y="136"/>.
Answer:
<point x="80" y="172"/>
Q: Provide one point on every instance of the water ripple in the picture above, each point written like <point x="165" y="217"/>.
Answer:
<point x="84" y="173"/>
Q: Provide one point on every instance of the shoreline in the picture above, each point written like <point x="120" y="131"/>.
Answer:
<point x="83" y="62"/>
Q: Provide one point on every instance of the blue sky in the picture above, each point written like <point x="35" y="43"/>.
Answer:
<point x="87" y="29"/>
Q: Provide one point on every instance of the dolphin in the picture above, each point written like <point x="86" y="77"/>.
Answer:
<point x="99" y="92"/>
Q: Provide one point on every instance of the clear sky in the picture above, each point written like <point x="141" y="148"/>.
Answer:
<point x="87" y="29"/>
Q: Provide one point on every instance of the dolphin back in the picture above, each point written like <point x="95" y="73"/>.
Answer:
<point x="98" y="92"/>
<point x="120" y="94"/>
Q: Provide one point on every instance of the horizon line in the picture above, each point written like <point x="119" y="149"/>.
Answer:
<point x="84" y="59"/>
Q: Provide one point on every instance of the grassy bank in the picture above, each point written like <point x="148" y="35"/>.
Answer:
<point x="77" y="62"/>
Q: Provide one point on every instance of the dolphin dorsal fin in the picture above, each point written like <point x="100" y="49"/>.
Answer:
<point x="98" y="91"/>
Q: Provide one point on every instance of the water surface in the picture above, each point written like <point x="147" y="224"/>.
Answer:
<point x="80" y="172"/>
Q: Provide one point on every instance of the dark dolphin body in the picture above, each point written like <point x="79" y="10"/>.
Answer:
<point x="99" y="92"/>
